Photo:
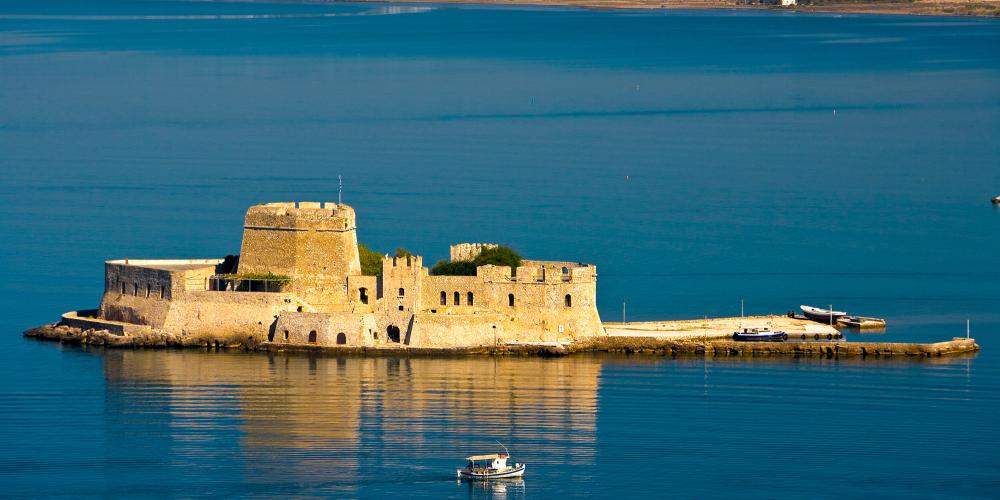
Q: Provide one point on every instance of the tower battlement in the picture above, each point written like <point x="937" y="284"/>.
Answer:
<point x="301" y="216"/>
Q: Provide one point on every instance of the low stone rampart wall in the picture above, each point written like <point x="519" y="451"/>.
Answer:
<point x="86" y="319"/>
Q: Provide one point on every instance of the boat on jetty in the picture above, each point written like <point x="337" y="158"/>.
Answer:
<point x="828" y="316"/>
<point x="492" y="466"/>
<point x="763" y="334"/>
<point x="860" y="322"/>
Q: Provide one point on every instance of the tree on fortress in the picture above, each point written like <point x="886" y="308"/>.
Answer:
<point x="371" y="261"/>
<point x="500" y="256"/>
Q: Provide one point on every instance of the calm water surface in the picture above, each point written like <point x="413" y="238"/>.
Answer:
<point x="695" y="157"/>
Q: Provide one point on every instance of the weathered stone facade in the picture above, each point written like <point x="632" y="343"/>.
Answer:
<point x="299" y="281"/>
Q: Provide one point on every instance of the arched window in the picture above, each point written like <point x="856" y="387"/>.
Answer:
<point x="402" y="292"/>
<point x="341" y="338"/>
<point x="469" y="299"/>
<point x="312" y="337"/>
<point x="569" y="300"/>
<point x="458" y="299"/>
<point x="363" y="295"/>
<point x="510" y="299"/>
<point x="444" y="298"/>
<point x="565" y="270"/>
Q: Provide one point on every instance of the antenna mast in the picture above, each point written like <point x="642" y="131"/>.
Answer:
<point x="340" y="190"/>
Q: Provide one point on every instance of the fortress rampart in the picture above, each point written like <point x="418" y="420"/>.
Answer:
<point x="298" y="281"/>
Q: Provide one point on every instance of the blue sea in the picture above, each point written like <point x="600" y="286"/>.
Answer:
<point x="698" y="158"/>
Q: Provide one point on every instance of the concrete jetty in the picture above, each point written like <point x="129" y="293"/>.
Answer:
<point x="724" y="348"/>
<point x="716" y="328"/>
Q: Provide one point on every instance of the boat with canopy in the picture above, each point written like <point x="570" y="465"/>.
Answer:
<point x="492" y="466"/>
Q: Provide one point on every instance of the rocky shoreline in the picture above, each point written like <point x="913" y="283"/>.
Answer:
<point x="603" y="344"/>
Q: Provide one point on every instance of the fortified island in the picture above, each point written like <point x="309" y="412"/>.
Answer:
<point x="297" y="283"/>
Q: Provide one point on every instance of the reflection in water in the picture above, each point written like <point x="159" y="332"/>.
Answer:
<point x="498" y="489"/>
<point x="345" y="421"/>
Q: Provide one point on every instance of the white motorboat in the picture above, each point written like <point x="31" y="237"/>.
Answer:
<point x="493" y="466"/>
<point x="827" y="316"/>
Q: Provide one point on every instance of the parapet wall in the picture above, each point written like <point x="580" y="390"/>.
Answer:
<point x="469" y="251"/>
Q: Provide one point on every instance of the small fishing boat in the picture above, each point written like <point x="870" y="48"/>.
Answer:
<point x="827" y="316"/>
<point x="996" y="201"/>
<point x="493" y="466"/>
<point x="861" y="322"/>
<point x="763" y="334"/>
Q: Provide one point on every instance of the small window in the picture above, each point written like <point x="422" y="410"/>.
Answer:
<point x="163" y="292"/>
<point x="510" y="299"/>
<point x="444" y="298"/>
<point x="312" y="337"/>
<point x="402" y="292"/>
<point x="123" y="288"/>
<point x="363" y="295"/>
<point x="565" y="270"/>
<point x="569" y="300"/>
<point x="148" y="289"/>
<point x="341" y="338"/>
<point x="135" y="289"/>
<point x="469" y="299"/>
<point x="286" y="335"/>
<point x="458" y="299"/>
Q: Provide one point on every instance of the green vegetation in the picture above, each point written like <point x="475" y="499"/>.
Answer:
<point x="500" y="256"/>
<point x="371" y="261"/>
<point x="258" y="276"/>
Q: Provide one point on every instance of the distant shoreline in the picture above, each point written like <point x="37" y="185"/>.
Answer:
<point x="962" y="8"/>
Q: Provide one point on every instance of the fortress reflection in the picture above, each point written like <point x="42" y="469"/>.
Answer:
<point x="301" y="417"/>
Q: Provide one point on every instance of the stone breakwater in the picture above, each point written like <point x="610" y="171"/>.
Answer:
<point x="608" y="344"/>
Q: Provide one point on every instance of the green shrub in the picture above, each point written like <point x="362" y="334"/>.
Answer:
<point x="500" y="256"/>
<point x="371" y="261"/>
<point x="259" y="276"/>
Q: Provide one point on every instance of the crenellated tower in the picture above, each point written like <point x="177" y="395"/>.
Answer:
<point x="313" y="243"/>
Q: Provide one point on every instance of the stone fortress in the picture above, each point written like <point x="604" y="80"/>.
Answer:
<point x="298" y="281"/>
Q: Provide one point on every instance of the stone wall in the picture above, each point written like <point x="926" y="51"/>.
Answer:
<point x="313" y="243"/>
<point x="227" y="315"/>
<point x="325" y="329"/>
<point x="469" y="251"/>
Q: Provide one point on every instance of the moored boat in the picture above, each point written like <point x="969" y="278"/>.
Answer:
<point x="827" y="316"/>
<point x="763" y="334"/>
<point x="492" y="466"/>
<point x="861" y="322"/>
<point x="996" y="201"/>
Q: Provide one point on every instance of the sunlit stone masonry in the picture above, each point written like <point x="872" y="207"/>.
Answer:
<point x="298" y="281"/>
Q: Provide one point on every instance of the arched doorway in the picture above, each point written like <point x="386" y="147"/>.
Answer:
<point x="393" y="333"/>
<point x="312" y="337"/>
<point x="569" y="300"/>
<point x="341" y="338"/>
